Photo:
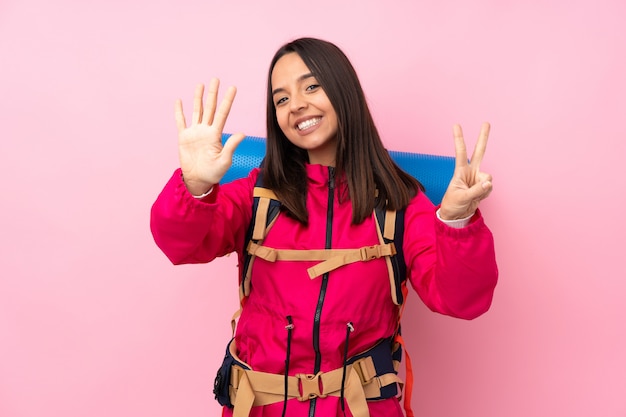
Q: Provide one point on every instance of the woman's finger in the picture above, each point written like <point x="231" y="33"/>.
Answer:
<point x="179" y="116"/>
<point x="460" y="151"/>
<point x="197" y="104"/>
<point x="231" y="144"/>
<point x="224" y="109"/>
<point x="481" y="146"/>
<point x="479" y="191"/>
<point x="211" y="101"/>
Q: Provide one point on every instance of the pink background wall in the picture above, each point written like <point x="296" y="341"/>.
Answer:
<point x="95" y="322"/>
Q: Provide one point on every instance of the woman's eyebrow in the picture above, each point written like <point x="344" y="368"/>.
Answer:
<point x="300" y="79"/>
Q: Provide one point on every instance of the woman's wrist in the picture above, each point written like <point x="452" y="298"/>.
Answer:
<point x="455" y="223"/>
<point x="202" y="195"/>
<point x="198" y="189"/>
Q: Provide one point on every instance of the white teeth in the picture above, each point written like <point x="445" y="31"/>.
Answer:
<point x="308" y="123"/>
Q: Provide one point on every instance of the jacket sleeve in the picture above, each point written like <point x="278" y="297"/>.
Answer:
<point x="454" y="271"/>
<point x="189" y="230"/>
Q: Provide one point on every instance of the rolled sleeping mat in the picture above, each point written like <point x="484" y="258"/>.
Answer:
<point x="433" y="171"/>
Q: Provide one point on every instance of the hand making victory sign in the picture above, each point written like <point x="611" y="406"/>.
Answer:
<point x="203" y="158"/>
<point x="468" y="185"/>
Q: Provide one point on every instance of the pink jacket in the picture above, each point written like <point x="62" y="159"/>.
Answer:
<point x="453" y="271"/>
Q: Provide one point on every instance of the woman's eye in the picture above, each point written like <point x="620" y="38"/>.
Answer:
<point x="312" y="87"/>
<point x="281" y="101"/>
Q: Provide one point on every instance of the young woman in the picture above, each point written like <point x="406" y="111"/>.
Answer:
<point x="318" y="340"/>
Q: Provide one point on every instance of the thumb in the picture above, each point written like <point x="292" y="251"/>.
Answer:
<point x="480" y="190"/>
<point x="231" y="144"/>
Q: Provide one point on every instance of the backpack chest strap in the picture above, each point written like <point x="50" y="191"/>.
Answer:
<point x="331" y="258"/>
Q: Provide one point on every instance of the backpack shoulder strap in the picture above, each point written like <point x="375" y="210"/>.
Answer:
<point x="265" y="210"/>
<point x="390" y="227"/>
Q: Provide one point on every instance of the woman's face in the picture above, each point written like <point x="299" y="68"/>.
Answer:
<point x="303" y="111"/>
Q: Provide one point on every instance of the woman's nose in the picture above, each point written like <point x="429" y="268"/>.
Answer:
<point x="297" y="102"/>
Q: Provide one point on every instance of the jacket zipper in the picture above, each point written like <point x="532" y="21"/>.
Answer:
<point x="322" y="295"/>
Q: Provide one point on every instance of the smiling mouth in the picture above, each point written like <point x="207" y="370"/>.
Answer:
<point x="309" y="123"/>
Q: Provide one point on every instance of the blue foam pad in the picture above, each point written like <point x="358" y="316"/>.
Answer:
<point x="433" y="171"/>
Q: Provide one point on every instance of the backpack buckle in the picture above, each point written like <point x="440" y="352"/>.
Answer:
<point x="370" y="252"/>
<point x="310" y="386"/>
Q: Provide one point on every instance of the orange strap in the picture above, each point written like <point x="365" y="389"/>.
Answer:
<point x="408" y="382"/>
<point x="408" y="388"/>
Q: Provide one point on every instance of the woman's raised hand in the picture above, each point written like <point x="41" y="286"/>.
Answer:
<point x="468" y="185"/>
<point x="203" y="158"/>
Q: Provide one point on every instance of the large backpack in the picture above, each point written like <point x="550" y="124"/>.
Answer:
<point x="390" y="230"/>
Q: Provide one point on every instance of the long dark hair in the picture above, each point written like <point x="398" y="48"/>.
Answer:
<point x="361" y="159"/>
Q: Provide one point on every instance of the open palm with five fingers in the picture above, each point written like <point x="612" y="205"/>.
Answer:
<point x="203" y="158"/>
<point x="469" y="185"/>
